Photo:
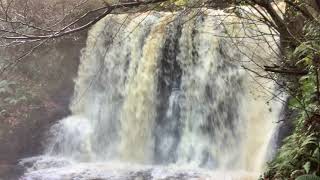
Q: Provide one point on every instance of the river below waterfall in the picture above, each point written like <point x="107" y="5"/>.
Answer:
<point x="163" y="96"/>
<point x="49" y="168"/>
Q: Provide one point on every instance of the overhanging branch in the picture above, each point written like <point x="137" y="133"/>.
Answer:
<point x="277" y="69"/>
<point x="64" y="31"/>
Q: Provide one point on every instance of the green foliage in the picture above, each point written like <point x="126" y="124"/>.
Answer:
<point x="300" y="154"/>
<point x="308" y="177"/>
<point x="179" y="2"/>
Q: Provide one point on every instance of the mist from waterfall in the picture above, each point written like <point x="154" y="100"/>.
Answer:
<point x="163" y="89"/>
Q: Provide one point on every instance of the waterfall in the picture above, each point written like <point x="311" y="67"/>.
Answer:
<point x="160" y="88"/>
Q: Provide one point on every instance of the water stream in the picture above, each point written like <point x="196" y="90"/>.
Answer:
<point x="163" y="96"/>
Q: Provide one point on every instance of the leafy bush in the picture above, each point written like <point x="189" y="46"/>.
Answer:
<point x="300" y="154"/>
<point x="308" y="177"/>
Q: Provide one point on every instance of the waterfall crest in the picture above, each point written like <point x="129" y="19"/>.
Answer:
<point x="168" y="88"/>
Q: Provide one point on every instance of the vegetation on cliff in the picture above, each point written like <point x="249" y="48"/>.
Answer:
<point x="299" y="72"/>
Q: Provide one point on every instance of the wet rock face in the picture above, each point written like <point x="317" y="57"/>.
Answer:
<point x="286" y="125"/>
<point x="9" y="171"/>
<point x="46" y="81"/>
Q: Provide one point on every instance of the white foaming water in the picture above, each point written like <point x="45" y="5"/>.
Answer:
<point x="163" y="96"/>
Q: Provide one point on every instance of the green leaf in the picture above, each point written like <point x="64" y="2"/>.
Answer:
<point x="308" y="177"/>
<point x="310" y="140"/>
<point x="306" y="60"/>
<point x="307" y="166"/>
<point x="316" y="153"/>
<point x="294" y="103"/>
<point x="301" y="50"/>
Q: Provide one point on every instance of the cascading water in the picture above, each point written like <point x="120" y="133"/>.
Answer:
<point x="164" y="90"/>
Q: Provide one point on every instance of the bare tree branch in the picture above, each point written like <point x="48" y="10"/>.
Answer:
<point x="278" y="69"/>
<point x="64" y="31"/>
